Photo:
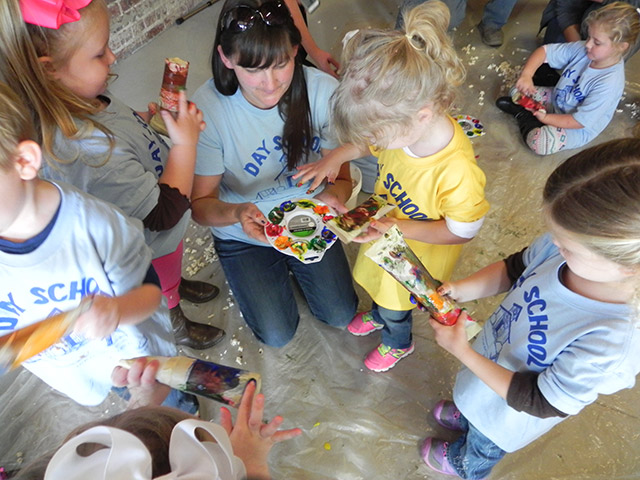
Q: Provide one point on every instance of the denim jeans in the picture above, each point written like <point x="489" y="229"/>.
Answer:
<point x="473" y="455"/>
<point x="176" y="399"/>
<point x="259" y="279"/>
<point x="396" y="332"/>
<point x="496" y="12"/>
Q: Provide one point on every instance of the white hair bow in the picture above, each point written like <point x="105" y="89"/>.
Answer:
<point x="127" y="458"/>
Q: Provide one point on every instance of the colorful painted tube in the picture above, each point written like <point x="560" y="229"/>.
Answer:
<point x="174" y="80"/>
<point x="191" y="375"/>
<point x="393" y="254"/>
<point x="21" y="345"/>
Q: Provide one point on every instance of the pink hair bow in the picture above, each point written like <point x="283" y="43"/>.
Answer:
<point x="51" y="13"/>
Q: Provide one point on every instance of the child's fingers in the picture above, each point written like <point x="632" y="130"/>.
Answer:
<point x="269" y="429"/>
<point x="225" y="420"/>
<point x="283" y="435"/>
<point x="149" y="373"/>
<point x="246" y="402"/>
<point x="256" y="413"/>
<point x="119" y="377"/>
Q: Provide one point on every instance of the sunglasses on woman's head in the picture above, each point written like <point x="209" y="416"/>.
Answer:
<point x="243" y="17"/>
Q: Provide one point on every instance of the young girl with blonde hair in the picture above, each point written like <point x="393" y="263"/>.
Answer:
<point x="566" y="332"/>
<point x="395" y="93"/>
<point x="57" y="58"/>
<point x="583" y="102"/>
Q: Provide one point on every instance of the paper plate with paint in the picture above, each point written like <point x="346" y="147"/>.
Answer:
<point x="471" y="126"/>
<point x="297" y="228"/>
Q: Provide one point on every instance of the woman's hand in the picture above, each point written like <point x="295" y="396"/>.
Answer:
<point x="252" y="221"/>
<point x="325" y="62"/>
<point x="251" y="438"/>
<point x="140" y="379"/>
<point x="186" y="127"/>
<point x="317" y="172"/>
<point x="452" y="338"/>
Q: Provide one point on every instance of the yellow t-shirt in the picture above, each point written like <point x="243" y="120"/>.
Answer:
<point x="447" y="184"/>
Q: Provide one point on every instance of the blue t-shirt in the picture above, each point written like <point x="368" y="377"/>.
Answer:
<point x="91" y="249"/>
<point x="580" y="347"/>
<point x="591" y="95"/>
<point x="244" y="144"/>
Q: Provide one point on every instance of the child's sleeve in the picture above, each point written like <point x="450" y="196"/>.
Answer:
<point x="558" y="55"/>
<point x="524" y="395"/>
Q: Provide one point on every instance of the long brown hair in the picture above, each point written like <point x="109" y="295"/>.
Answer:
<point x="259" y="47"/>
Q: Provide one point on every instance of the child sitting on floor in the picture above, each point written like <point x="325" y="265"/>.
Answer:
<point x="583" y="102"/>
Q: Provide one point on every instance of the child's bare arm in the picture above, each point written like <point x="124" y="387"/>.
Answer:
<point x="525" y="81"/>
<point x="328" y="166"/>
<point x="454" y="340"/>
<point x="486" y="282"/>
<point x="560" y="120"/>
<point x="107" y="313"/>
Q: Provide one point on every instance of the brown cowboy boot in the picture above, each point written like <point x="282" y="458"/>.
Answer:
<point x="192" y="334"/>
<point x="197" y="292"/>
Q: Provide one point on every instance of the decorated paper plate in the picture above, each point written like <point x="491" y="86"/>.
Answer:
<point x="297" y="228"/>
<point x="471" y="126"/>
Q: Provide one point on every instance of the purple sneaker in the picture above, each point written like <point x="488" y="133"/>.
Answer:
<point x="363" y="324"/>
<point x="434" y="454"/>
<point x="447" y="414"/>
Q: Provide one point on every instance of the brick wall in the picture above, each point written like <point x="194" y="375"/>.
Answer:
<point x="135" y="22"/>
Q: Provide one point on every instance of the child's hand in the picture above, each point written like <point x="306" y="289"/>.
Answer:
<point x="140" y="379"/>
<point x="252" y="221"/>
<point x="540" y="115"/>
<point x="100" y="320"/>
<point x="525" y="85"/>
<point x="318" y="171"/>
<point x="332" y="201"/>
<point x="452" y="338"/>
<point x="152" y="108"/>
<point x="448" y="289"/>
<point x="250" y="437"/>
<point x="375" y="230"/>
<point x="186" y="128"/>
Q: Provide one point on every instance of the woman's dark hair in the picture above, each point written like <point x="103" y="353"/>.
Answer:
<point x="260" y="47"/>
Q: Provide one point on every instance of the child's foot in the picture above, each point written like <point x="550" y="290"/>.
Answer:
<point x="383" y="357"/>
<point x="363" y="324"/>
<point x="506" y="105"/>
<point x="447" y="414"/>
<point x="434" y="454"/>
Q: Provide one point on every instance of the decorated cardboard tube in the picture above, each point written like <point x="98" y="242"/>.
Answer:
<point x="211" y="380"/>
<point x="21" y="345"/>
<point x="393" y="254"/>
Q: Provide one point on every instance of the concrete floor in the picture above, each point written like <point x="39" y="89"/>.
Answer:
<point x="358" y="424"/>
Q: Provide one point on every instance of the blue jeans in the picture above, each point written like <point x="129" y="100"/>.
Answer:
<point x="496" y="12"/>
<point x="259" y="279"/>
<point x="396" y="332"/>
<point x="176" y="399"/>
<point x="473" y="455"/>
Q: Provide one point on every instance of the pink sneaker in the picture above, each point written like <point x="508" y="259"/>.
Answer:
<point x="434" y="454"/>
<point x="447" y="414"/>
<point x="384" y="357"/>
<point x="363" y="324"/>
